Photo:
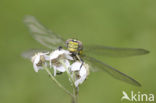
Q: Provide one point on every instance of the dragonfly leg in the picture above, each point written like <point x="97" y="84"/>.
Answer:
<point x="80" y="59"/>
<point x="81" y="63"/>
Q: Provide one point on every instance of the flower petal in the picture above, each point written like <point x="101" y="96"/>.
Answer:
<point x="54" y="70"/>
<point x="55" y="54"/>
<point x="60" y="68"/>
<point x="37" y="59"/>
<point x="37" y="68"/>
<point x="80" y="81"/>
<point x="58" y="56"/>
<point x="82" y="72"/>
<point x="67" y="64"/>
<point x="76" y="66"/>
<point x="69" y="57"/>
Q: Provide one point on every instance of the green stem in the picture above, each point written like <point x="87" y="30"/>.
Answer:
<point x="58" y="83"/>
<point x="75" y="93"/>
<point x="68" y="73"/>
<point x="75" y="89"/>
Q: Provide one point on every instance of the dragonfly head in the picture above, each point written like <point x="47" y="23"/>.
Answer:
<point x="74" y="46"/>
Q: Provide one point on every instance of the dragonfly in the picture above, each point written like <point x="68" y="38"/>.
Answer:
<point x="54" y="41"/>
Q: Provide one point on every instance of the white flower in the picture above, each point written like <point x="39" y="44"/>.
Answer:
<point x="59" y="56"/>
<point x="39" y="60"/>
<point x="80" y="73"/>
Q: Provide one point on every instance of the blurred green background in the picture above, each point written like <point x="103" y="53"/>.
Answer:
<point x="118" y="23"/>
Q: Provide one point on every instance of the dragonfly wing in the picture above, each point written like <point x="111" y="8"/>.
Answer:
<point x="30" y="53"/>
<point x="42" y="34"/>
<point x="96" y="64"/>
<point x="115" y="52"/>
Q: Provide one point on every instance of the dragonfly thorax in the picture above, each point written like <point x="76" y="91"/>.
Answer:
<point x="74" y="46"/>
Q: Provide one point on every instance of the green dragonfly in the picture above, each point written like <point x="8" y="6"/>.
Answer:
<point x="53" y="41"/>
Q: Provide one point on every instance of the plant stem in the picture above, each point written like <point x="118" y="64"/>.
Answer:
<point x="58" y="83"/>
<point x="75" y="93"/>
<point x="75" y="89"/>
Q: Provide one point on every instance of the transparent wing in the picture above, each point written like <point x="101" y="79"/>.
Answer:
<point x="96" y="64"/>
<point x="42" y="34"/>
<point x="30" y="53"/>
<point x="114" y="52"/>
